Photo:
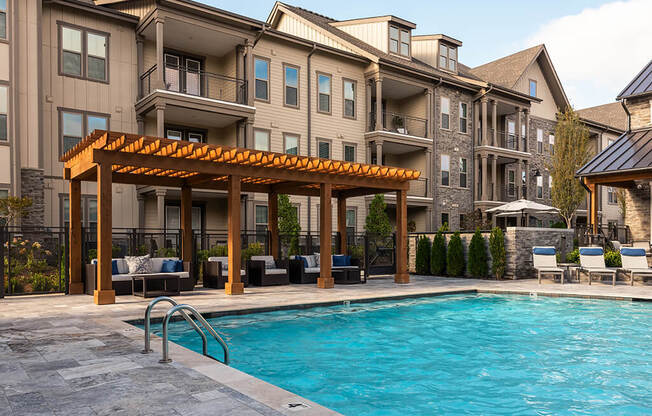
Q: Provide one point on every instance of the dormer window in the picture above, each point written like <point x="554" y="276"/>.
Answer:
<point x="399" y="41"/>
<point x="447" y="57"/>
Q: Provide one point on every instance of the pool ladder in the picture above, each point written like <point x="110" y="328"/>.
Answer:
<point x="182" y="308"/>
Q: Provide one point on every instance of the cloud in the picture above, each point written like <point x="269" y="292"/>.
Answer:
<point x="599" y="50"/>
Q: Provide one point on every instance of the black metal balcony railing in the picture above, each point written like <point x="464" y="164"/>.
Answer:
<point x="400" y="123"/>
<point x="419" y="187"/>
<point x="505" y="139"/>
<point x="198" y="83"/>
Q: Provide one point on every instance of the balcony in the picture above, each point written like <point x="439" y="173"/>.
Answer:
<point x="400" y="124"/>
<point x="506" y="193"/>
<point x="419" y="188"/>
<point x="196" y="83"/>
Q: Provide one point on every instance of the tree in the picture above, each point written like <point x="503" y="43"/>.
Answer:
<point x="377" y="221"/>
<point x="497" y="249"/>
<point x="422" y="261"/>
<point x="621" y="194"/>
<point x="455" y="257"/>
<point x="13" y="207"/>
<point x="571" y="153"/>
<point x="288" y="225"/>
<point x="438" y="254"/>
<point x="477" y="255"/>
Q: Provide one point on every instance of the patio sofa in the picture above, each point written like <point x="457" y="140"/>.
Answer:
<point x="305" y="269"/>
<point x="216" y="273"/>
<point x="122" y="279"/>
<point x="267" y="271"/>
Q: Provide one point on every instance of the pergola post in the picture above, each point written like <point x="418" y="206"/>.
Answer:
<point x="593" y="207"/>
<point x="76" y="287"/>
<point x="186" y="223"/>
<point x="341" y="223"/>
<point x="234" y="286"/>
<point x="104" y="293"/>
<point x="401" y="275"/>
<point x="325" y="280"/>
<point x="272" y="223"/>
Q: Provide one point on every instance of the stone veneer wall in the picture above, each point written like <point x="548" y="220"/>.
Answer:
<point x="32" y="186"/>
<point x="518" y="247"/>
<point x="637" y="216"/>
<point x="640" y="111"/>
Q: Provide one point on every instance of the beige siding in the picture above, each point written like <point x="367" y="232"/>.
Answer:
<point x="425" y="50"/>
<point x="4" y="62"/>
<point x="5" y="165"/>
<point x="296" y="27"/>
<point x="134" y="7"/>
<point x="374" y="33"/>
<point x="547" y="108"/>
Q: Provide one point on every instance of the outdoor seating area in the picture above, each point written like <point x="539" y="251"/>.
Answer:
<point x="305" y="269"/>
<point x="216" y="273"/>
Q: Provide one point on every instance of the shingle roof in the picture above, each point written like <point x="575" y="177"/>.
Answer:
<point x="640" y="85"/>
<point x="507" y="70"/>
<point x="612" y="115"/>
<point x="632" y="151"/>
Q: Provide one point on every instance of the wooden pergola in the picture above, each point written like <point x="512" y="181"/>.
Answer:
<point x="112" y="157"/>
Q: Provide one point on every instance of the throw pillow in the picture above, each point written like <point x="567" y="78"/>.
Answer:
<point x="139" y="264"/>
<point x="339" y="260"/>
<point x="169" y="266"/>
<point x="304" y="260"/>
<point x="179" y="264"/>
<point x="269" y="262"/>
<point x="114" y="267"/>
<point x="316" y="259"/>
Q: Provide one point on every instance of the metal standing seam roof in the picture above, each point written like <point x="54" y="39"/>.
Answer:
<point x="640" y="85"/>
<point x="631" y="152"/>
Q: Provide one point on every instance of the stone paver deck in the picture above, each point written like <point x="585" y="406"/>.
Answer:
<point x="63" y="355"/>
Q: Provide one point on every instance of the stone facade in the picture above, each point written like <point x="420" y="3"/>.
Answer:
<point x="637" y="216"/>
<point x="453" y="199"/>
<point x="640" y="111"/>
<point x="32" y="186"/>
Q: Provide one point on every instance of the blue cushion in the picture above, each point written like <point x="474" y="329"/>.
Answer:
<point x="179" y="267"/>
<point x="591" y="251"/>
<point x="114" y="267"/>
<point x="169" y="266"/>
<point x="305" y="260"/>
<point x="348" y="260"/>
<point x="339" y="260"/>
<point x="544" y="251"/>
<point x="628" y="251"/>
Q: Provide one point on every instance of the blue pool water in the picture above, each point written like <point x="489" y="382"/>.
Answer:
<point x="460" y="354"/>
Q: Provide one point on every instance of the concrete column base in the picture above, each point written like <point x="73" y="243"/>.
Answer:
<point x="325" y="282"/>
<point x="104" y="297"/>
<point x="235" y="288"/>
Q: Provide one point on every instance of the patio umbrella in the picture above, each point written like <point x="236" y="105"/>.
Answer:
<point x="522" y="207"/>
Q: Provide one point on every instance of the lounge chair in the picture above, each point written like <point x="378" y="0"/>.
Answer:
<point x="216" y="273"/>
<point x="545" y="262"/>
<point x="304" y="269"/>
<point x="265" y="271"/>
<point x="592" y="262"/>
<point x="635" y="263"/>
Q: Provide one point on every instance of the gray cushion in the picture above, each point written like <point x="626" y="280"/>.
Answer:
<point x="139" y="264"/>
<point x="275" y="271"/>
<point x="269" y="261"/>
<point x="127" y="277"/>
<point x="312" y="269"/>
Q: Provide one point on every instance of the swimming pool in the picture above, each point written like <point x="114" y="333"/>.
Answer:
<point x="458" y="354"/>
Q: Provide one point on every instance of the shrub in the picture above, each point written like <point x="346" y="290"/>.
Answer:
<point x="438" y="255"/>
<point x="254" y="249"/>
<point x="422" y="264"/>
<point x="166" y="252"/>
<point x="356" y="251"/>
<point x="218" y="250"/>
<point x="455" y="257"/>
<point x="612" y="259"/>
<point x="44" y="283"/>
<point x="558" y="224"/>
<point x="377" y="221"/>
<point x="573" y="256"/>
<point x="497" y="249"/>
<point x="478" y="255"/>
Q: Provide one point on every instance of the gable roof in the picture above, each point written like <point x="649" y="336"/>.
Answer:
<point x="612" y="115"/>
<point x="640" y="85"/>
<point x="631" y="152"/>
<point x="508" y="70"/>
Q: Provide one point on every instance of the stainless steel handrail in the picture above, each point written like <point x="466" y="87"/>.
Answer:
<point x="205" y="324"/>
<point x="192" y="323"/>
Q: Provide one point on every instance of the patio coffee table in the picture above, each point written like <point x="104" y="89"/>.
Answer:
<point x="567" y="271"/>
<point x="158" y="277"/>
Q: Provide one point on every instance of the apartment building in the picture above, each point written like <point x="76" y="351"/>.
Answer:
<point x="364" y="90"/>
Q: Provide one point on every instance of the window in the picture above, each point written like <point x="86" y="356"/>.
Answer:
<point x="173" y="217"/>
<point x="533" y="88"/>
<point x="88" y="211"/>
<point x="324" y="98"/>
<point x="291" y="86"/>
<point x="324" y="149"/>
<point x="550" y="185"/>
<point x="447" y="57"/>
<point x="540" y="140"/>
<point x="399" y="41"/>
<point x="3" y="19"/>
<point x="511" y="183"/>
<point x="350" y="221"/>
<point x="349" y="98"/>
<point x="551" y="142"/>
<point x="444" y="218"/>
<point x="445" y="112"/>
<point x="261" y="139"/>
<point x="463" y="172"/>
<point x="261" y="220"/>
<point x="183" y="133"/>
<point x="462" y="222"/>
<point x="539" y="186"/>
<point x="75" y="125"/>
<point x="611" y="195"/>
<point x="610" y="142"/>
<point x="291" y="145"/>
<point x="261" y="71"/>
<point x="511" y="135"/>
<point x="463" y="117"/>
<point x="83" y="53"/>
<point x="3" y="112"/>
<point x="445" y="170"/>
<point x="349" y="153"/>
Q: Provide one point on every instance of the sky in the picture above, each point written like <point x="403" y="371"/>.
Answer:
<point x="597" y="46"/>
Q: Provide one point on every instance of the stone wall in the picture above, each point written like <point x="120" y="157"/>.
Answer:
<point x="32" y="186"/>
<point x="637" y="216"/>
<point x="640" y="111"/>
<point x="518" y="247"/>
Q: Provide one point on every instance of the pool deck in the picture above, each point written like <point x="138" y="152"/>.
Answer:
<point x="63" y="355"/>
